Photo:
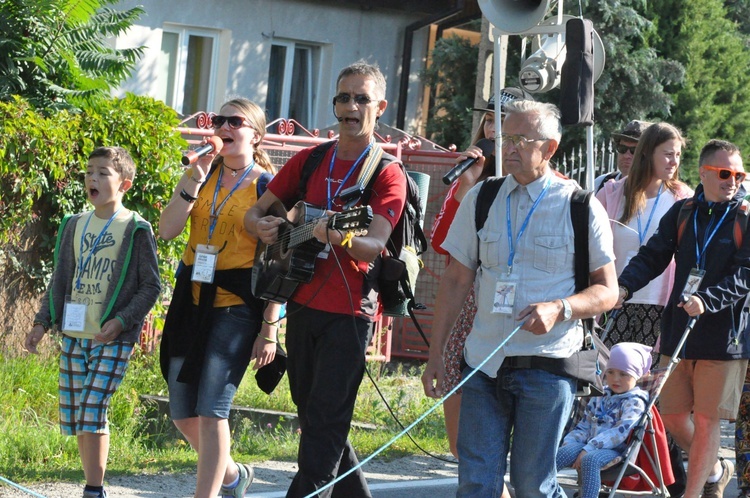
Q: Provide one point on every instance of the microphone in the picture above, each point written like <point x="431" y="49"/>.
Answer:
<point x="488" y="148"/>
<point x="214" y="144"/>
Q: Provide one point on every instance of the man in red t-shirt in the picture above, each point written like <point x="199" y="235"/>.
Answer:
<point x="330" y="319"/>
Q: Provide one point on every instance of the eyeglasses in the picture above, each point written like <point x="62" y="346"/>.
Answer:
<point x="726" y="173"/>
<point x="235" y="122"/>
<point x="519" y="141"/>
<point x="344" y="98"/>
<point x="622" y="149"/>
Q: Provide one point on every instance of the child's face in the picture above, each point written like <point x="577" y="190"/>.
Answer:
<point x="619" y="381"/>
<point x="104" y="185"/>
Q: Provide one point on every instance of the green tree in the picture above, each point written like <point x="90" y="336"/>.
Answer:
<point x="452" y="74"/>
<point x="714" y="100"/>
<point x="636" y="77"/>
<point x="55" y="52"/>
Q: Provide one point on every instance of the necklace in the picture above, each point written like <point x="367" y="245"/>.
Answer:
<point x="235" y="171"/>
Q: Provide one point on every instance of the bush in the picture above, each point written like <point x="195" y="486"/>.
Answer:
<point x="42" y="160"/>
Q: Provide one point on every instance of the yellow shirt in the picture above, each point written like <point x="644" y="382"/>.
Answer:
<point x="96" y="274"/>
<point x="236" y="247"/>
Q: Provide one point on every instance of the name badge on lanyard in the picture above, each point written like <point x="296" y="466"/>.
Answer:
<point x="204" y="266"/>
<point x="74" y="316"/>
<point x="693" y="283"/>
<point x="505" y="294"/>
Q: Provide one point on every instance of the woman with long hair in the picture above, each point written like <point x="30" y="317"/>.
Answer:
<point x="215" y="326"/>
<point x="635" y="205"/>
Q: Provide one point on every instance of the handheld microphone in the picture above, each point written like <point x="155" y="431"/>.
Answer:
<point x="488" y="148"/>
<point x="214" y="144"/>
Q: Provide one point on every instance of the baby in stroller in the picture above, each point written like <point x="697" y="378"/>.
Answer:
<point x="601" y="435"/>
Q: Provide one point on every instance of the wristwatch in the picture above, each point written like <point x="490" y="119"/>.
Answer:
<point x="567" y="310"/>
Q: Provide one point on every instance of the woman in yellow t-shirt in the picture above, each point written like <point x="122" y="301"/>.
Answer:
<point x="215" y="326"/>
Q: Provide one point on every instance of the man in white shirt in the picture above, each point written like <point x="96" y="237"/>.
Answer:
<point x="526" y="242"/>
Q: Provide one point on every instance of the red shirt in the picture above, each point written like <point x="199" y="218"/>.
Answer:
<point x="334" y="289"/>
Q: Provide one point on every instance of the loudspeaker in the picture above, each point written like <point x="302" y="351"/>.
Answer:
<point x="514" y="17"/>
<point x="540" y="72"/>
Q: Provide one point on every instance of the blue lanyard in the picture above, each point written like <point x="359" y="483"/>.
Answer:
<point x="216" y="210"/>
<point x="351" y="170"/>
<point x="700" y="254"/>
<point x="642" y="234"/>
<point x="512" y="251"/>
<point x="81" y="263"/>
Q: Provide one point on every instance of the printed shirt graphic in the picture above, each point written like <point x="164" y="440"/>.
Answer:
<point x="96" y="276"/>
<point x="236" y="247"/>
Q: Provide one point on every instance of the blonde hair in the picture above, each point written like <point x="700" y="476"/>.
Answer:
<point x="121" y="160"/>
<point x="642" y="169"/>
<point x="257" y="119"/>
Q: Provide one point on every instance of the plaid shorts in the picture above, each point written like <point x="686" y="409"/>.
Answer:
<point x="90" y="372"/>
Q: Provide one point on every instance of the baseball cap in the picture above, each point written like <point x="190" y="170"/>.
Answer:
<point x="506" y="95"/>
<point x="632" y="131"/>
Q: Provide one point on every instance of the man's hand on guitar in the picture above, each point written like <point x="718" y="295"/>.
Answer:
<point x="267" y="228"/>
<point x="324" y="235"/>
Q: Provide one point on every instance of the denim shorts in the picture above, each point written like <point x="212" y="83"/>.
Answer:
<point x="228" y="349"/>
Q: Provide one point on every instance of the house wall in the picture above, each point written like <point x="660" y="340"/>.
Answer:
<point x="345" y="34"/>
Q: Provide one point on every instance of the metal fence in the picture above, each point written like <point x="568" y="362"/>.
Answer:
<point x="399" y="337"/>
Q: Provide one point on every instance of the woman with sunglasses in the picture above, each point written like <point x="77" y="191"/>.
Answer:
<point x="635" y="205"/>
<point x="215" y="326"/>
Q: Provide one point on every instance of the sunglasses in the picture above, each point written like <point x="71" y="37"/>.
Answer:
<point x="344" y="98"/>
<point x="235" y="122"/>
<point x="622" y="149"/>
<point x="726" y="173"/>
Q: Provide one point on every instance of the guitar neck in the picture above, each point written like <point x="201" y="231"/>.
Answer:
<point x="301" y="234"/>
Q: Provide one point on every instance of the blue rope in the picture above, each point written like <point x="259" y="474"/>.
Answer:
<point x="422" y="417"/>
<point x="21" y="488"/>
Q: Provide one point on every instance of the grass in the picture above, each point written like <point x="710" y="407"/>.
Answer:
<point x="142" y="441"/>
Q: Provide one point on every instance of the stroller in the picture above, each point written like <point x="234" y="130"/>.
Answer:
<point x="645" y="468"/>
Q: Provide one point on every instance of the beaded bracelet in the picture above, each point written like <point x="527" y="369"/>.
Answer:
<point x="199" y="182"/>
<point x="187" y="196"/>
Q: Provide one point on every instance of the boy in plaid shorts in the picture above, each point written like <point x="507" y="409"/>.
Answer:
<point x="106" y="280"/>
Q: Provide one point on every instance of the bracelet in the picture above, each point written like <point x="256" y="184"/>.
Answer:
<point x="199" y="182"/>
<point x="268" y="339"/>
<point x="187" y="196"/>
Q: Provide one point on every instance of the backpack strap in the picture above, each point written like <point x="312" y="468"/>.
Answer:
<point x="311" y="164"/>
<point x="740" y="220"/>
<point x="579" y="217"/>
<point x="610" y="176"/>
<point x="486" y="196"/>
<point x="683" y="216"/>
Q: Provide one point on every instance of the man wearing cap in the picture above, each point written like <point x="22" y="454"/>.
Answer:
<point x="626" y="141"/>
<point x="712" y="281"/>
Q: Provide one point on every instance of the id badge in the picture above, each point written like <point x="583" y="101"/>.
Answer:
<point x="693" y="283"/>
<point x="505" y="294"/>
<point x="204" y="266"/>
<point x="74" y="316"/>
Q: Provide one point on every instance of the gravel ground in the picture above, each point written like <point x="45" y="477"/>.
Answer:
<point x="272" y="476"/>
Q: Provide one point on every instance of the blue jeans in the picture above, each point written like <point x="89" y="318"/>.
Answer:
<point x="228" y="350"/>
<point x="530" y="405"/>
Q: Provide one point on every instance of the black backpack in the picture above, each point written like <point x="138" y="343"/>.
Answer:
<point x="587" y="364"/>
<point x="402" y="260"/>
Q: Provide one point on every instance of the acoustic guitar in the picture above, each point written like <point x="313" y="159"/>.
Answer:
<point x="281" y="266"/>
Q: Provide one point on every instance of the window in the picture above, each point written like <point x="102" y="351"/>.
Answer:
<point x="290" y="82"/>
<point x="188" y="58"/>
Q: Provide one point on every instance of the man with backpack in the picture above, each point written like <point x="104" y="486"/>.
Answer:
<point x="706" y="236"/>
<point x="330" y="319"/>
<point x="524" y="250"/>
